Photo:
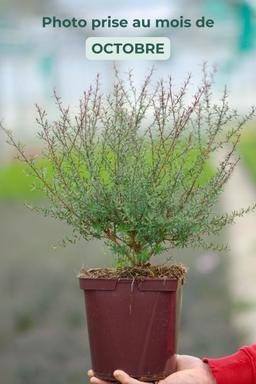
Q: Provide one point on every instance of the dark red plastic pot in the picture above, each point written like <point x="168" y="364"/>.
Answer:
<point x="132" y="326"/>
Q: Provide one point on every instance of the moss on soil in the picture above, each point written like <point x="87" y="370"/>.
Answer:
<point x="162" y="271"/>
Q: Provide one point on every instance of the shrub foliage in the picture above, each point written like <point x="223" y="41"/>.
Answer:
<point x="132" y="167"/>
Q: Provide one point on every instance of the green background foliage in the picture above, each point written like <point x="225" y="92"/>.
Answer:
<point x="247" y="150"/>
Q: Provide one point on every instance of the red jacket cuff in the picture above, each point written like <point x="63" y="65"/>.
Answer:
<point x="239" y="368"/>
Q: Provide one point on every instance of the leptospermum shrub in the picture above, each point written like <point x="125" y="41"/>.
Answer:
<point x="132" y="167"/>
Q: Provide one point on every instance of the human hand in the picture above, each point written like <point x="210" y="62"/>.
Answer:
<point x="190" y="370"/>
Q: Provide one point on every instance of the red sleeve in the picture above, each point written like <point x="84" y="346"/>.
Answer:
<point x="239" y="368"/>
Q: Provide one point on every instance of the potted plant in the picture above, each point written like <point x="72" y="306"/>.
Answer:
<point x="132" y="168"/>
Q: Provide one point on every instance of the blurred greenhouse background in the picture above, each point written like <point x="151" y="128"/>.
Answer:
<point x="42" y="330"/>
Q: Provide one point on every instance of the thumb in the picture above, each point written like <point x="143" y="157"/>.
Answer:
<point x="123" y="378"/>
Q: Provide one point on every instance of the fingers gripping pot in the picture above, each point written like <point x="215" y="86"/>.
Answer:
<point x="132" y="325"/>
